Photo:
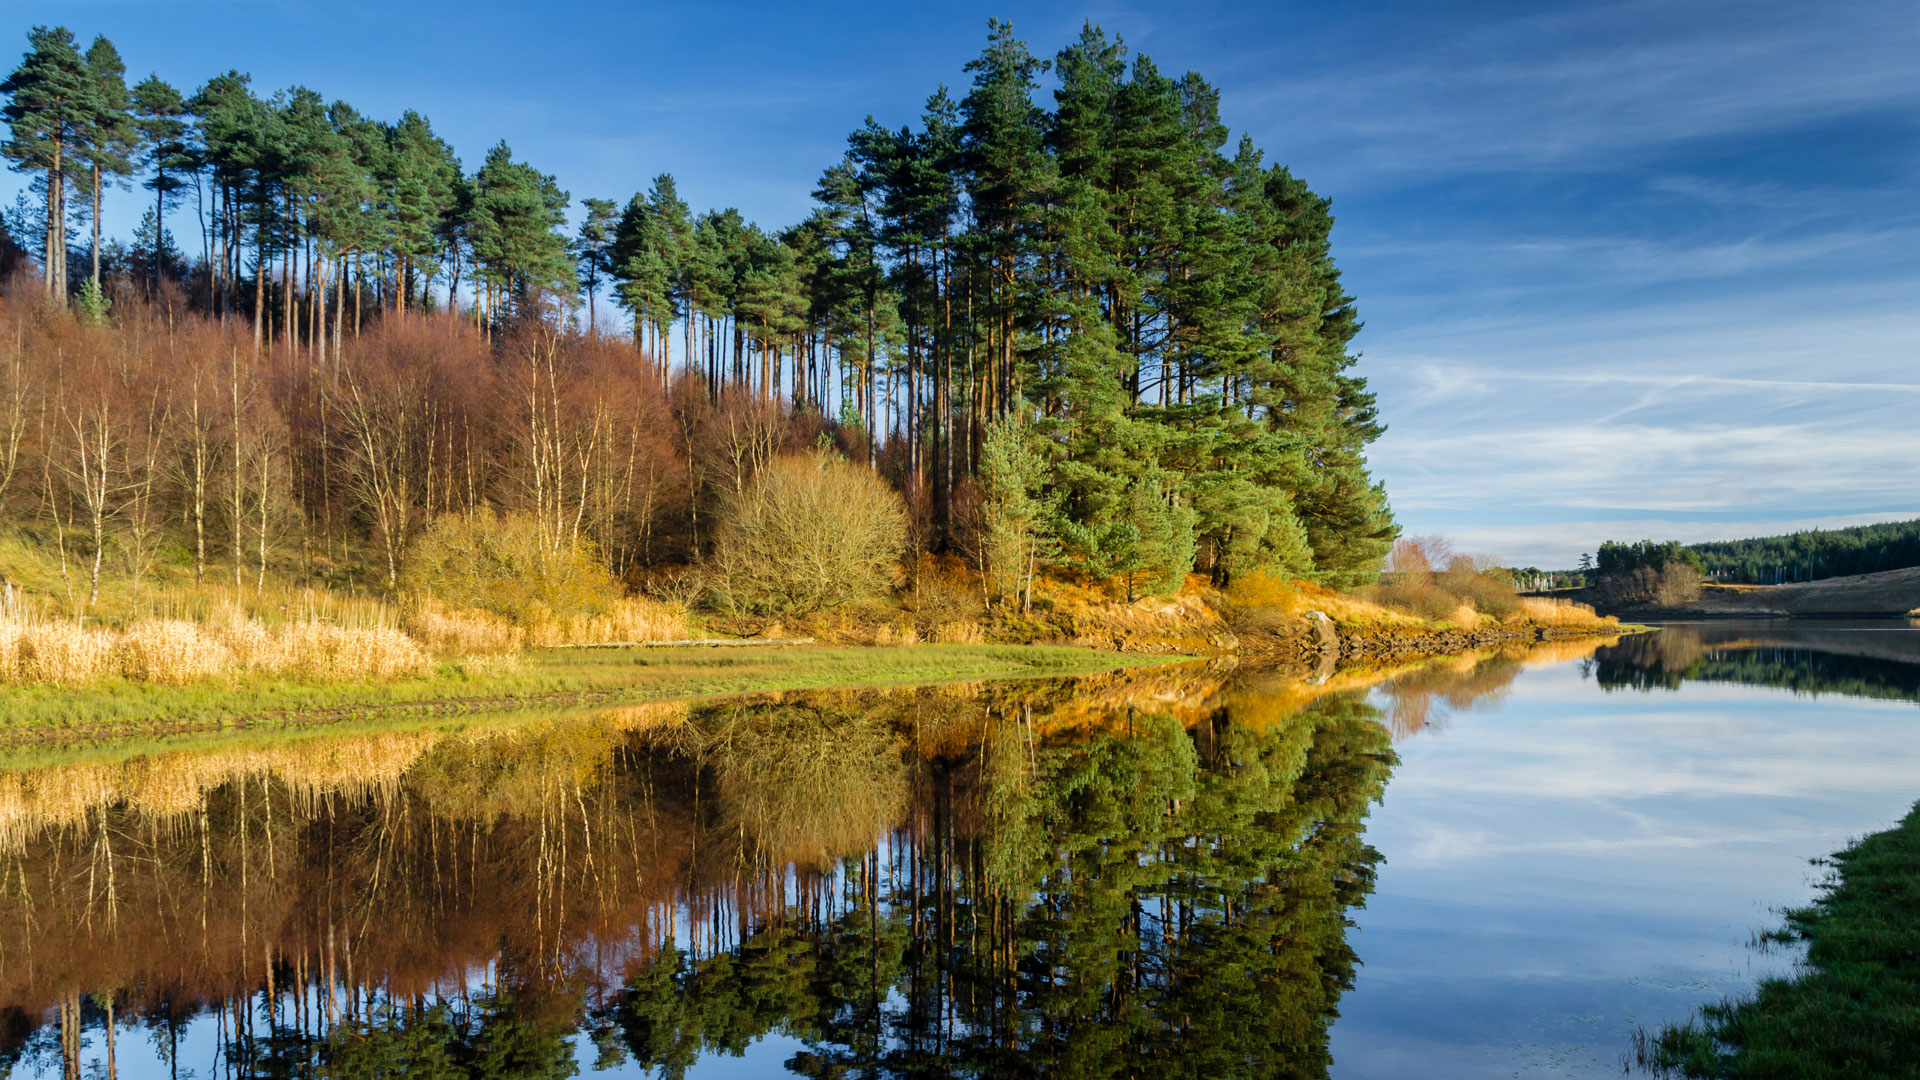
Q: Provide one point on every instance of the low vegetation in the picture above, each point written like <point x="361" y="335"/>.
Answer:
<point x="115" y="706"/>
<point x="486" y="582"/>
<point x="1853" y="1010"/>
<point x="1426" y="578"/>
<point x="174" y="651"/>
<point x="808" y="532"/>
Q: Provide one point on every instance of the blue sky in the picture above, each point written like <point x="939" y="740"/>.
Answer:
<point x="1628" y="269"/>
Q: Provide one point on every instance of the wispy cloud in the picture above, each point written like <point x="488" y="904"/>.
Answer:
<point x="1578" y="85"/>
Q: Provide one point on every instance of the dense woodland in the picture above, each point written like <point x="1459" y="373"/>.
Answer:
<point x="1070" y="321"/>
<point x="1774" y="560"/>
<point x="1820" y="553"/>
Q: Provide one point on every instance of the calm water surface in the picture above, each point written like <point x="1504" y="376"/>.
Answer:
<point x="1491" y="865"/>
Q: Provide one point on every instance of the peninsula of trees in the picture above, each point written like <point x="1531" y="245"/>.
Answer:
<point x="1069" y="321"/>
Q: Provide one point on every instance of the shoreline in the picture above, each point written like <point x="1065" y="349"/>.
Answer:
<point x="1852" y="1007"/>
<point x="558" y="679"/>
<point x="47" y="715"/>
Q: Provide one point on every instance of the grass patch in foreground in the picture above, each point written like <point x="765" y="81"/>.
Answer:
<point x="116" y="707"/>
<point x="1854" y="1008"/>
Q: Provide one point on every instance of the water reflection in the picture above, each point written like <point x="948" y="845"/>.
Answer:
<point x="1148" y="874"/>
<point x="1866" y="659"/>
<point x="678" y="883"/>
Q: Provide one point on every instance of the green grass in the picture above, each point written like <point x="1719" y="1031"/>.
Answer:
<point x="1854" y="1008"/>
<point x="559" y="678"/>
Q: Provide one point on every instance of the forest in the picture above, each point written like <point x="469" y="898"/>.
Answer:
<point x="1817" y="553"/>
<point x="1068" y="321"/>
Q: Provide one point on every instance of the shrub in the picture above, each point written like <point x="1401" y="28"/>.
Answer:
<point x="1674" y="583"/>
<point x="509" y="566"/>
<point x="1488" y="595"/>
<point x="808" y="532"/>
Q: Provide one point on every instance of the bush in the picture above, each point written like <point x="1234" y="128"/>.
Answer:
<point x="1488" y="595"/>
<point x="508" y="566"/>
<point x="808" y="532"/>
<point x="1674" y="583"/>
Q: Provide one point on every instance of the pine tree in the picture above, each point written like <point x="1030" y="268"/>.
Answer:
<point x="638" y="261"/>
<point x="593" y="248"/>
<point x="166" y="151"/>
<point x="1016" y="530"/>
<point x="1007" y="169"/>
<point x="421" y="177"/>
<point x="111" y="133"/>
<point x="50" y="113"/>
<point x="517" y="212"/>
<point x="233" y="136"/>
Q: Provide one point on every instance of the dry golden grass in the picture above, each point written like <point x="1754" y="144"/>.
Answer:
<point x="55" y="652"/>
<point x="888" y="634"/>
<point x="467" y="631"/>
<point x="174" y="651"/>
<point x="471" y="632"/>
<point x="1296" y="598"/>
<point x="208" y="604"/>
<point x="634" y="618"/>
<point x="961" y="632"/>
<point x="1548" y="611"/>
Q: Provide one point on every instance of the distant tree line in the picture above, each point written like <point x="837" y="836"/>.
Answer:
<point x="1617" y="558"/>
<point x="1817" y="553"/>
<point x="1773" y="560"/>
<point x="1091" y="324"/>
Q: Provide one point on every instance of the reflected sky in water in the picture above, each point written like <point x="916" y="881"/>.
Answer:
<point x="1497" y="864"/>
<point x="1570" y="862"/>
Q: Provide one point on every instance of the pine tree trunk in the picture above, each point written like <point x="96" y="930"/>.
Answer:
<point x="259" y="287"/>
<point x="96" y="226"/>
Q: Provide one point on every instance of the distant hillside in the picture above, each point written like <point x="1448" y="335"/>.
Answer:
<point x="1889" y="593"/>
<point x="1804" y="556"/>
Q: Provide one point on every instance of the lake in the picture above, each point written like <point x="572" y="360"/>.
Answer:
<point x="1488" y="865"/>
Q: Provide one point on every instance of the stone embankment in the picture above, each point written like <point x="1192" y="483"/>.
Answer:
<point x="1193" y="622"/>
<point x="1192" y="625"/>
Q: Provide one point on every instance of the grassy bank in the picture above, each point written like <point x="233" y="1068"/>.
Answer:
<point x="1854" y="1009"/>
<point x="560" y="677"/>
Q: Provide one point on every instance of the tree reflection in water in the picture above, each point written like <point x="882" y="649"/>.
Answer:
<point x="1872" y="660"/>
<point x="917" y="882"/>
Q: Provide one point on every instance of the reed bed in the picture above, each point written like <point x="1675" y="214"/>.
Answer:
<point x="447" y="631"/>
<point x="960" y="632"/>
<point x="176" y="651"/>
<point x="633" y="618"/>
<point x="1552" y="612"/>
